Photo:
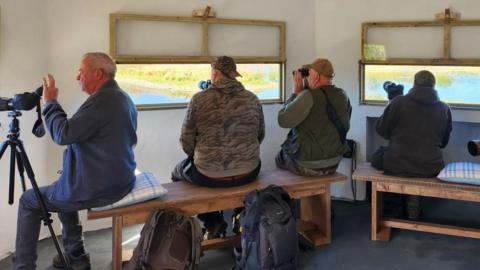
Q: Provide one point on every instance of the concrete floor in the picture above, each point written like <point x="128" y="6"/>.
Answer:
<point x="351" y="247"/>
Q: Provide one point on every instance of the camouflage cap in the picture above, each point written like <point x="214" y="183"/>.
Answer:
<point x="424" y="78"/>
<point x="322" y="66"/>
<point x="226" y="65"/>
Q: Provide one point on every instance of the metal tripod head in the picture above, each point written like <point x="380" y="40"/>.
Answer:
<point x="15" y="157"/>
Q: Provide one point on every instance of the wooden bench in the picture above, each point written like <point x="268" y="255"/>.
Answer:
<point x="430" y="187"/>
<point x="314" y="224"/>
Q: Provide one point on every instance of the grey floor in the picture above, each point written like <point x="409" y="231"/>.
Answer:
<point x="351" y="247"/>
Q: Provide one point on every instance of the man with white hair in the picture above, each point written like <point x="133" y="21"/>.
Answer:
<point x="98" y="163"/>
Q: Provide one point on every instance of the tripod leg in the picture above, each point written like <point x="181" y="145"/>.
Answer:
<point x="12" y="174"/>
<point x="47" y="221"/>
<point x="21" y="171"/>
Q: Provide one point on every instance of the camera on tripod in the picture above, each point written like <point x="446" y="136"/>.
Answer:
<point x="304" y="72"/>
<point x="25" y="102"/>
<point x="21" y="102"/>
<point x="392" y="89"/>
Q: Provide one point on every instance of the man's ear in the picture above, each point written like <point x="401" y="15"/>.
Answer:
<point x="98" y="73"/>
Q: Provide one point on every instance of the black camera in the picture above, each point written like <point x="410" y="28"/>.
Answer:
<point x="21" y="102"/>
<point x="25" y="102"/>
<point x="474" y="147"/>
<point x="393" y="89"/>
<point x="204" y="84"/>
<point x="303" y="71"/>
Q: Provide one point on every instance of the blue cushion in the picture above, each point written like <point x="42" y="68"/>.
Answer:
<point x="146" y="188"/>
<point x="461" y="172"/>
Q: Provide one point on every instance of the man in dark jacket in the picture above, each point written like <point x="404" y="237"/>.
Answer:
<point x="314" y="145"/>
<point x="418" y="126"/>
<point x="98" y="163"/>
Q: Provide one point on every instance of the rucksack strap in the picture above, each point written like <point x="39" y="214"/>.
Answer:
<point x="196" y="243"/>
<point x="146" y="241"/>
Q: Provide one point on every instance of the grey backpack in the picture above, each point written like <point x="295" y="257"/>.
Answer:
<point x="168" y="240"/>
<point x="268" y="231"/>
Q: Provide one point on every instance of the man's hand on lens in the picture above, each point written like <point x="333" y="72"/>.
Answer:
<point x="297" y="82"/>
<point x="50" y="92"/>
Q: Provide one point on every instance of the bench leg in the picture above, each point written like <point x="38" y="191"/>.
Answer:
<point x="315" y="223"/>
<point x="117" y="225"/>
<point x="379" y="233"/>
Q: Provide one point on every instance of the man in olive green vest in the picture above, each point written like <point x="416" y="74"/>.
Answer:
<point x="315" y="144"/>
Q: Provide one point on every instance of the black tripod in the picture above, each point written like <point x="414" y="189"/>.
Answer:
<point x="18" y="152"/>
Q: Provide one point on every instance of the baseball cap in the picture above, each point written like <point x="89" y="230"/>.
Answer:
<point x="322" y="66"/>
<point x="226" y="65"/>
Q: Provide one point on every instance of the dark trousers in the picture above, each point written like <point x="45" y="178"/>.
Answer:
<point x="186" y="171"/>
<point x="285" y="162"/>
<point x="29" y="222"/>
<point x="398" y="204"/>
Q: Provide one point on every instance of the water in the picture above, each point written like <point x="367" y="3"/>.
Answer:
<point x="162" y="99"/>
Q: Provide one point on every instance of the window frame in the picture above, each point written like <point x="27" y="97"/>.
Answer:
<point x="445" y="60"/>
<point x="205" y="57"/>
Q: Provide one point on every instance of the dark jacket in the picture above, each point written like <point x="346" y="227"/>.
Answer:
<point x="417" y="126"/>
<point x="99" y="160"/>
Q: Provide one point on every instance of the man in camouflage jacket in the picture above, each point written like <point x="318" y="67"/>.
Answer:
<point x="221" y="135"/>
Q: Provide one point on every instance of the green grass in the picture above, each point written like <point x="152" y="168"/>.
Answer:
<point x="185" y="78"/>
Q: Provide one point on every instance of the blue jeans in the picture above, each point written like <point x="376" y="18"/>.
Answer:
<point x="30" y="219"/>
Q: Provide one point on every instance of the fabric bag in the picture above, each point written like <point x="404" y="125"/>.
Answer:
<point x="268" y="231"/>
<point x="168" y="240"/>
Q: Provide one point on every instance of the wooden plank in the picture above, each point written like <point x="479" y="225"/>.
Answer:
<point x="429" y="191"/>
<point x="191" y="59"/>
<point x="317" y="210"/>
<point x="365" y="172"/>
<point x="310" y="231"/>
<point x="425" y="61"/>
<point x="379" y="232"/>
<point x="432" y="228"/>
<point x="204" y="56"/>
<point x="113" y="35"/>
<point x="117" y="225"/>
<point x="196" y="199"/>
<point x="446" y="41"/>
<point x="221" y="242"/>
<point x="229" y="202"/>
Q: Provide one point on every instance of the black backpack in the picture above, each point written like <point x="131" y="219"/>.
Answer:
<point x="168" y="240"/>
<point x="268" y="231"/>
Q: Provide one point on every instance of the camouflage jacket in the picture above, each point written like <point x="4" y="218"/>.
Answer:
<point x="223" y="129"/>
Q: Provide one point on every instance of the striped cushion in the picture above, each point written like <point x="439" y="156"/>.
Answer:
<point x="461" y="172"/>
<point x="146" y="188"/>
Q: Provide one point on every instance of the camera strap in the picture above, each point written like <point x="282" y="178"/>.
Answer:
<point x="38" y="128"/>
<point x="333" y="116"/>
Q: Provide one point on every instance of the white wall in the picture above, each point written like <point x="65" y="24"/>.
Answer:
<point x="50" y="36"/>
<point x="337" y="34"/>
<point x="22" y="63"/>
<point x="67" y="29"/>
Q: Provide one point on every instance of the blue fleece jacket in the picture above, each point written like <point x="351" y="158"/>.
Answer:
<point x="99" y="160"/>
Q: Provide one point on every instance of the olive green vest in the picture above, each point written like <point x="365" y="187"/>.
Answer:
<point x="318" y="139"/>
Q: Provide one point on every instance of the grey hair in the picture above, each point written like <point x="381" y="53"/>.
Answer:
<point x="102" y="61"/>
